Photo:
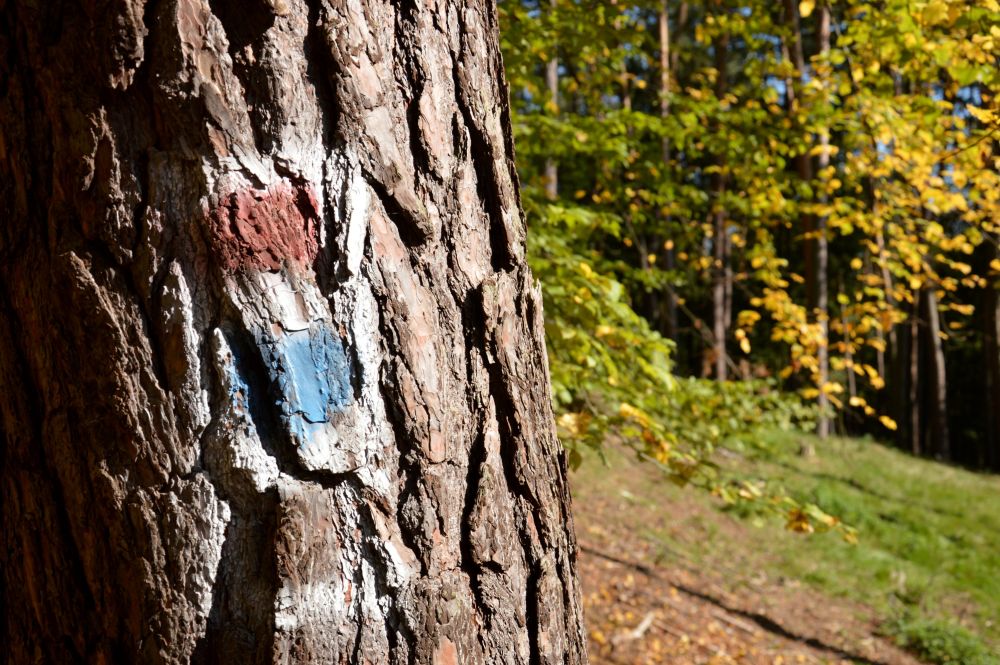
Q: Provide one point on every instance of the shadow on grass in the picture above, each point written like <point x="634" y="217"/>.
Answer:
<point x="763" y="621"/>
<point x="862" y="488"/>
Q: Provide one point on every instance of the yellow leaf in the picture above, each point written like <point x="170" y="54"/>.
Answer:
<point x="887" y="422"/>
<point x="823" y="149"/>
<point x="798" y="521"/>
<point x="984" y="116"/>
<point x="806" y="7"/>
<point x="574" y="423"/>
<point x="745" y="345"/>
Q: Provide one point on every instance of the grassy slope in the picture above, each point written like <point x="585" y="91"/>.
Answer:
<point x="929" y="533"/>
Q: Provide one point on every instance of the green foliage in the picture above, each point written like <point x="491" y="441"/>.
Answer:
<point x="611" y="373"/>
<point x="722" y="178"/>
<point x="896" y="118"/>
<point x="940" y="642"/>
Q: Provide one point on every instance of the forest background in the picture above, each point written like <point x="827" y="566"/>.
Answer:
<point x="756" y="213"/>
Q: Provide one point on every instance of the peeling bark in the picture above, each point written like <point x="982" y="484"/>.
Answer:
<point x="272" y="376"/>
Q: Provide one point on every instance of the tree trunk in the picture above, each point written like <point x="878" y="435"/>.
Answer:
<point x="815" y="256"/>
<point x="823" y="261"/>
<point x="990" y="316"/>
<point x="939" y="398"/>
<point x="552" y="83"/>
<point x="670" y="260"/>
<point x="721" y="272"/>
<point x="272" y="375"/>
<point x="992" y="341"/>
<point x="912" y="402"/>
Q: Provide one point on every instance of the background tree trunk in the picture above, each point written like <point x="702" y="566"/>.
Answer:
<point x="721" y="271"/>
<point x="989" y="312"/>
<point x="669" y="315"/>
<point x="823" y="260"/>
<point x="913" y="380"/>
<point x="941" y="445"/>
<point x="272" y="376"/>
<point x="552" y="83"/>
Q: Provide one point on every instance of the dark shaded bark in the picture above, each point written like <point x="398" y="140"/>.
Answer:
<point x="272" y="375"/>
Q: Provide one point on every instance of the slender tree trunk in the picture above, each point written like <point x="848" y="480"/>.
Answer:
<point x="894" y="369"/>
<point x="721" y="273"/>
<point x="720" y="289"/>
<point x="939" y="400"/>
<point x="990" y="313"/>
<point x="815" y="248"/>
<point x="913" y="380"/>
<point x="823" y="260"/>
<point x="552" y="83"/>
<point x="272" y="374"/>
<point x="666" y="69"/>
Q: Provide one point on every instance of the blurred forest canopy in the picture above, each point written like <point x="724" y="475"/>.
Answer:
<point x="762" y="212"/>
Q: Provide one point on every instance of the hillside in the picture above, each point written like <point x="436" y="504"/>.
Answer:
<point x="670" y="576"/>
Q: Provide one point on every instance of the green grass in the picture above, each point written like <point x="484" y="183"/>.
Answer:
<point x="940" y="642"/>
<point x="929" y="533"/>
<point x="928" y="555"/>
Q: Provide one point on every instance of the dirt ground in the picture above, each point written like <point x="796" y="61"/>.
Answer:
<point x="640" y="609"/>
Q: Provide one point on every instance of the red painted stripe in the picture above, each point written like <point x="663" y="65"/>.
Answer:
<point x="263" y="229"/>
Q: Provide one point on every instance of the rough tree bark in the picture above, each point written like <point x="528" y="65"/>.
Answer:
<point x="272" y="376"/>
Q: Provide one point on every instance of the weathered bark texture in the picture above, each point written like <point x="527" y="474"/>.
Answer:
<point x="272" y="375"/>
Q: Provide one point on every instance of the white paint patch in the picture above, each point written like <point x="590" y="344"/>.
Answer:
<point x="288" y="301"/>
<point x="358" y="202"/>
